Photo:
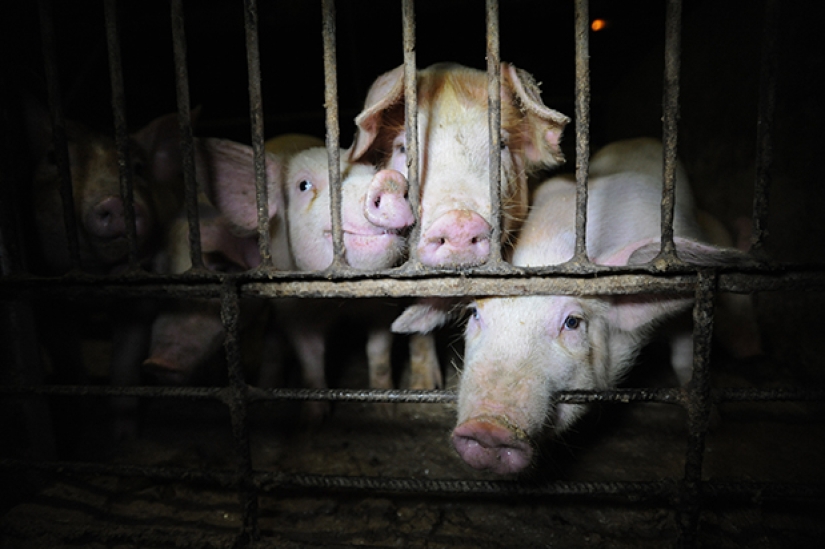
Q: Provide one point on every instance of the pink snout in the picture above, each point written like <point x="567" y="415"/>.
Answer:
<point x="386" y="204"/>
<point x="107" y="219"/>
<point x="457" y="238"/>
<point x="488" y="443"/>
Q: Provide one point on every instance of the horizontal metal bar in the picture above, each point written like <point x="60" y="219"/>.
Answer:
<point x="601" y="281"/>
<point x="254" y="394"/>
<point x="268" y="481"/>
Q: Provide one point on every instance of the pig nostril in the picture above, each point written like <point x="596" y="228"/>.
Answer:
<point x="442" y="241"/>
<point x="377" y="202"/>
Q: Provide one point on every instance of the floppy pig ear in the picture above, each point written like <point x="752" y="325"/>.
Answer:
<point x="544" y="125"/>
<point x="423" y="317"/>
<point x="387" y="90"/>
<point x="226" y="173"/>
<point x="636" y="311"/>
<point x="160" y="138"/>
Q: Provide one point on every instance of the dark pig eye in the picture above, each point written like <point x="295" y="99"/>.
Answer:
<point x="572" y="322"/>
<point x="304" y="186"/>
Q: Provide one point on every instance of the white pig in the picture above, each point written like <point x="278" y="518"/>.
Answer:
<point x="455" y="207"/>
<point x="188" y="333"/>
<point x="520" y="350"/>
<point x="375" y="216"/>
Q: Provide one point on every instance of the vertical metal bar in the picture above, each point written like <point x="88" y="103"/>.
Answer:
<point x="764" y="127"/>
<point x="582" y="29"/>
<point x="256" y="118"/>
<point x="121" y="132"/>
<point x="238" y="408"/>
<point x="333" y="134"/>
<point x="411" y="123"/>
<point x="670" y="108"/>
<point x="58" y="121"/>
<point x="698" y="408"/>
<point x="494" y="125"/>
<point x="186" y="141"/>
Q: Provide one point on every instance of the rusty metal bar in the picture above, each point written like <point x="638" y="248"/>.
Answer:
<point x="411" y="127"/>
<point x="268" y="482"/>
<point x="256" y="119"/>
<point x="557" y="281"/>
<point x="764" y="127"/>
<point x="238" y="406"/>
<point x="256" y="394"/>
<point x="186" y="141"/>
<point x="670" y="109"/>
<point x="121" y="129"/>
<point x="494" y="125"/>
<point x="698" y="410"/>
<point x="59" y="140"/>
<point x="582" y="30"/>
<point x="333" y="133"/>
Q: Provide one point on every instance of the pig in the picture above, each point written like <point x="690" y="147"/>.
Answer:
<point x="189" y="333"/>
<point x="98" y="205"/>
<point x="520" y="350"/>
<point x="375" y="216"/>
<point x="455" y="212"/>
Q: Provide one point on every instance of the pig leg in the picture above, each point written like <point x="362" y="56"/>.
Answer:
<point x="379" y="363"/>
<point x="310" y="346"/>
<point x="130" y="343"/>
<point x="379" y="351"/>
<point x="425" y="372"/>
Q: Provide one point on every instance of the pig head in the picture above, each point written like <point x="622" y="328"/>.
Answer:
<point x="521" y="350"/>
<point x="187" y="333"/>
<point x="455" y="208"/>
<point x="375" y="213"/>
<point x="98" y="205"/>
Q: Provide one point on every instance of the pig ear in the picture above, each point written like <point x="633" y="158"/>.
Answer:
<point x="634" y="312"/>
<point x="387" y="90"/>
<point x="423" y="317"/>
<point x="226" y="172"/>
<point x="160" y="138"/>
<point x="543" y="125"/>
<point x="689" y="250"/>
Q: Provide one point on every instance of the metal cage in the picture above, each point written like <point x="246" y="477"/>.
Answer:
<point x="686" y="495"/>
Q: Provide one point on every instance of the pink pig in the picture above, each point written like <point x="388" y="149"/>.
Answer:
<point x="98" y="205"/>
<point x="188" y="333"/>
<point x="375" y="216"/>
<point x="455" y="207"/>
<point x="520" y="350"/>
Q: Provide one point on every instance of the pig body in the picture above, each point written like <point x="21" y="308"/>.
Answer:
<point x="189" y="333"/>
<point x="455" y="208"/>
<point x="520" y="350"/>
<point x="375" y="215"/>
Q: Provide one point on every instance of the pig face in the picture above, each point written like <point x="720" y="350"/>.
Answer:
<point x="455" y="207"/>
<point x="98" y="205"/>
<point x="374" y="213"/>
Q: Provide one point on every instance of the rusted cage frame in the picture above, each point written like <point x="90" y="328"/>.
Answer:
<point x="573" y="278"/>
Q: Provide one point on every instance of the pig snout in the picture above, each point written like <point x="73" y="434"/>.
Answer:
<point x="386" y="204"/>
<point x="491" y="443"/>
<point x="457" y="238"/>
<point x="107" y="219"/>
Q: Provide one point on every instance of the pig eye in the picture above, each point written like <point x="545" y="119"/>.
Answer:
<point x="473" y="310"/>
<point x="304" y="186"/>
<point x="401" y="148"/>
<point x="572" y="322"/>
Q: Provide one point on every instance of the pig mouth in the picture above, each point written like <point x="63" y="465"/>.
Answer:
<point x="366" y="235"/>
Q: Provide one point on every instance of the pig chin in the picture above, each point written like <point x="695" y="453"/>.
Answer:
<point x="373" y="251"/>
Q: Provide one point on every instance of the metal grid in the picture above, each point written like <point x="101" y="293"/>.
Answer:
<point x="577" y="277"/>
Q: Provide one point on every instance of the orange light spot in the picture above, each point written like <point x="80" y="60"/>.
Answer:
<point x="598" y="24"/>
